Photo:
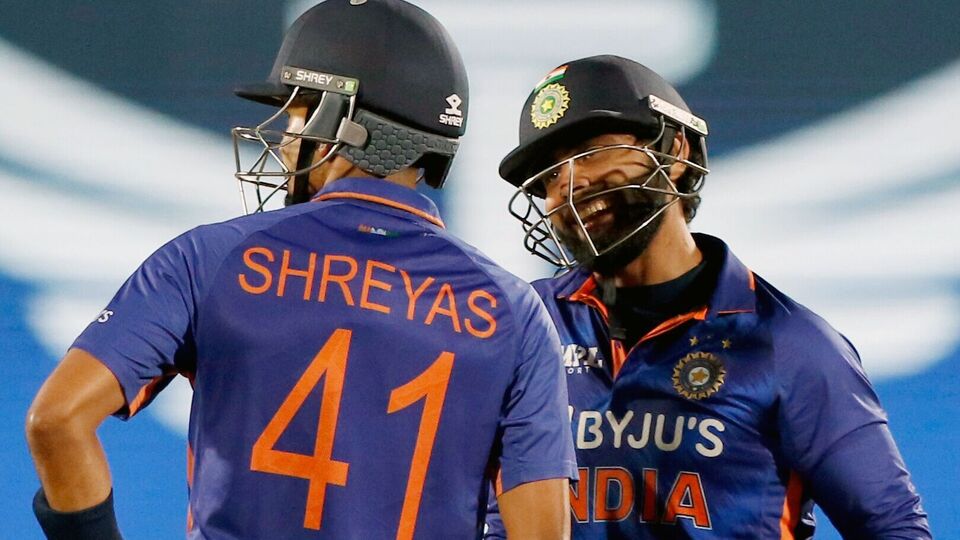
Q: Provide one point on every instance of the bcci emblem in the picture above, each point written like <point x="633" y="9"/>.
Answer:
<point x="698" y="375"/>
<point x="549" y="105"/>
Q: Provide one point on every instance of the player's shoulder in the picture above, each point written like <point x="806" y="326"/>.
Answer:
<point x="517" y="292"/>
<point x="480" y="261"/>
<point x="201" y="249"/>
<point x="227" y="234"/>
<point x="798" y="333"/>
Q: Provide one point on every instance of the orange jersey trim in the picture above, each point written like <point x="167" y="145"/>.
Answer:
<point x="148" y="391"/>
<point x="619" y="356"/>
<point x="670" y="324"/>
<point x="585" y="294"/>
<point x="791" y="507"/>
<point x="386" y="202"/>
<point x="190" y="463"/>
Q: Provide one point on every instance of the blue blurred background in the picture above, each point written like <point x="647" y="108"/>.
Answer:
<point x="834" y="149"/>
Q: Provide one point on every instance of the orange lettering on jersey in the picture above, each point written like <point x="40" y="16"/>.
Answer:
<point x="369" y="282"/>
<point x="602" y="509"/>
<point x="446" y="291"/>
<point x="258" y="268"/>
<point x="686" y="499"/>
<point x="578" y="496"/>
<point x="413" y="295"/>
<point x="491" y="322"/>
<point x="339" y="279"/>
<point x="649" y="511"/>
<point x="286" y="271"/>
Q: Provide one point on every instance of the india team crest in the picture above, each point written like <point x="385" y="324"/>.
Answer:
<point x="698" y="375"/>
<point x="548" y="107"/>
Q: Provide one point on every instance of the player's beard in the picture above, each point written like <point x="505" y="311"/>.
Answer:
<point x="627" y="210"/>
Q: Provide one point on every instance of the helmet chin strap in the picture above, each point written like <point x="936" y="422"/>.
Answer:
<point x="301" y="182"/>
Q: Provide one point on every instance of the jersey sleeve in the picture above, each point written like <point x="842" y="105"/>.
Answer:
<point x="536" y="442"/>
<point x="144" y="334"/>
<point x="835" y="435"/>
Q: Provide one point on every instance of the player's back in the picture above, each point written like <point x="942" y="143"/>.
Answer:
<point x="353" y="364"/>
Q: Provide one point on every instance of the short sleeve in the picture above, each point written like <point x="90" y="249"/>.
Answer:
<point x="143" y="335"/>
<point x="536" y="442"/>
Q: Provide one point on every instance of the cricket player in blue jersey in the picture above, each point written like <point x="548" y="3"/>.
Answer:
<point x="705" y="403"/>
<point x="358" y="372"/>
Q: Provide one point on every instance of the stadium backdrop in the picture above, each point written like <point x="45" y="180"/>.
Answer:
<point x="833" y="144"/>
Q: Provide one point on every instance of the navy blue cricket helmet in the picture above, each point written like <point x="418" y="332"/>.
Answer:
<point x="385" y="85"/>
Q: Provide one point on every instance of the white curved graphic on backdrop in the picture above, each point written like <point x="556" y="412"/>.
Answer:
<point x="856" y="218"/>
<point x="92" y="185"/>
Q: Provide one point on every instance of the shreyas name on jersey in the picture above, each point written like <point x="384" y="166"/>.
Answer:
<point x="369" y="285"/>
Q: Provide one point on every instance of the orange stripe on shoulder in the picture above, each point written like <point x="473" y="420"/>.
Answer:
<point x="791" y="507"/>
<point x="386" y="202"/>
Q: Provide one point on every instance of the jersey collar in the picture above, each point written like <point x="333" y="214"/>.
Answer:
<point x="736" y="285"/>
<point x="383" y="193"/>
<point x="735" y="291"/>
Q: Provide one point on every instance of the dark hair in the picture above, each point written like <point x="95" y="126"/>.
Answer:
<point x="692" y="180"/>
<point x="686" y="184"/>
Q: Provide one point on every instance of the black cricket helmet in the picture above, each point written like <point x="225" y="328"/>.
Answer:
<point x="385" y="88"/>
<point x="576" y="102"/>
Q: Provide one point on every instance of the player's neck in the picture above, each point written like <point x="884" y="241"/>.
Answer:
<point x="671" y="253"/>
<point x="407" y="178"/>
<point x="339" y="168"/>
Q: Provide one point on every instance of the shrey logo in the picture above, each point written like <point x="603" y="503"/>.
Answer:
<point x="452" y="116"/>
<point x="316" y="80"/>
<point x="454" y="101"/>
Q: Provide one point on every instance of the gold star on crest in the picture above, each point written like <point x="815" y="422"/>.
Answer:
<point x="694" y="341"/>
<point x="726" y="343"/>
<point x="547" y="105"/>
<point x="699" y="376"/>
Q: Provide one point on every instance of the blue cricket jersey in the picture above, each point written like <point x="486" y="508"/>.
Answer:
<point x="725" y="422"/>
<point x="357" y="371"/>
